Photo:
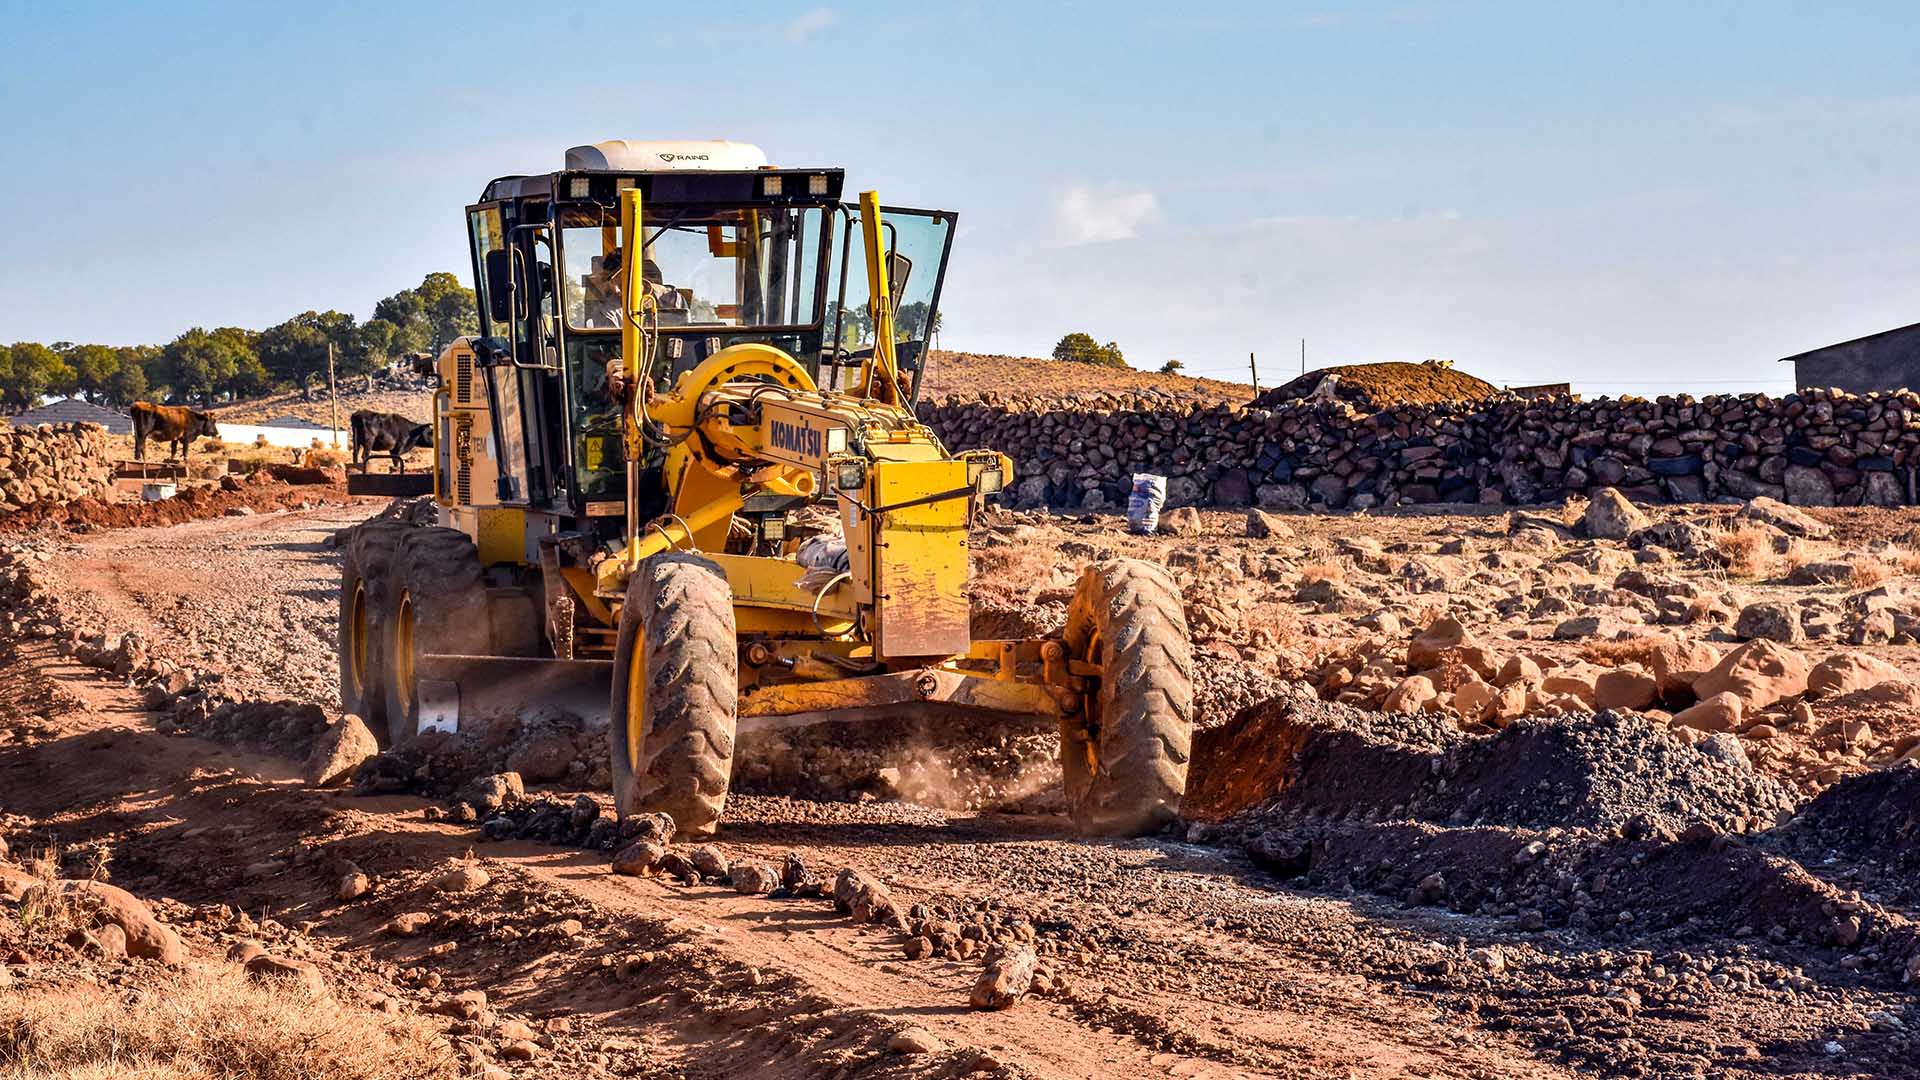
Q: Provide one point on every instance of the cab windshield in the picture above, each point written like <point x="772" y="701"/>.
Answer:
<point x="704" y="267"/>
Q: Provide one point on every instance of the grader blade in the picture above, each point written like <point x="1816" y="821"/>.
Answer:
<point x="457" y="691"/>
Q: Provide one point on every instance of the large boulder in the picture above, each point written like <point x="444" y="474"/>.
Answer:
<point x="1624" y="688"/>
<point x="1759" y="673"/>
<point x="1773" y="620"/>
<point x="1612" y="516"/>
<point x="340" y="751"/>
<point x="147" y="937"/>
<point x="1264" y="526"/>
<point x="1793" y="522"/>
<point x="303" y="973"/>
<point x="1429" y="647"/>
<point x="1720" y="712"/>
<point x="1845" y="672"/>
<point x="1678" y="662"/>
<point x="1413" y="694"/>
<point x="1180" y="521"/>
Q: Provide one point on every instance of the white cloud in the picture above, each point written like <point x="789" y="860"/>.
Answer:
<point x="810" y="24"/>
<point x="1088" y="216"/>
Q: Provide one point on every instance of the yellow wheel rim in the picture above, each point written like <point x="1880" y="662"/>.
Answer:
<point x="636" y="717"/>
<point x="357" y="645"/>
<point x="403" y="649"/>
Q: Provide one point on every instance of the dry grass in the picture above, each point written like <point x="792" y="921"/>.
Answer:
<point x="1909" y="563"/>
<point x="322" y="457"/>
<point x="1013" y="574"/>
<point x="1866" y="573"/>
<point x="210" y="1023"/>
<point x="1747" y="550"/>
<point x="1795" y="557"/>
<point x="1322" y="571"/>
<point x="1634" y="650"/>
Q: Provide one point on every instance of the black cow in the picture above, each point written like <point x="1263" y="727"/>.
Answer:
<point x="172" y="424"/>
<point x="389" y="433"/>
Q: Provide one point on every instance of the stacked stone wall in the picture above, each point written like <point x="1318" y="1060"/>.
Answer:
<point x="53" y="463"/>
<point x="1814" y="448"/>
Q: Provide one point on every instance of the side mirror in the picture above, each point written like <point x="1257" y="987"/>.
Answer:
<point x="899" y="268"/>
<point x="500" y="285"/>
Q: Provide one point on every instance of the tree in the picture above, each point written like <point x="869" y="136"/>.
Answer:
<point x="1170" y="367"/>
<point x="207" y="362"/>
<point x="451" y="309"/>
<point x="93" y="366"/>
<point x="296" y="350"/>
<point x="429" y="317"/>
<point x="407" y="314"/>
<point x="373" y="345"/>
<point x="29" y="371"/>
<point x="128" y="383"/>
<point x="106" y="374"/>
<point x="1080" y="348"/>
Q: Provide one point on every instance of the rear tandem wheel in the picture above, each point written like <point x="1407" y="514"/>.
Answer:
<point x="436" y="603"/>
<point x="361" y="641"/>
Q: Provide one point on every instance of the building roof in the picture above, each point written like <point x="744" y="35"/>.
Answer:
<point x="1852" y="341"/>
<point x="72" y="410"/>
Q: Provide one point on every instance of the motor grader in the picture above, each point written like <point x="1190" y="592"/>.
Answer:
<point x="680" y="486"/>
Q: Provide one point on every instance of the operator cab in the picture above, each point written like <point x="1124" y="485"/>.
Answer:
<point x="735" y="251"/>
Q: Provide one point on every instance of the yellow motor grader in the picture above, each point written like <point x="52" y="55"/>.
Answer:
<point x="680" y="484"/>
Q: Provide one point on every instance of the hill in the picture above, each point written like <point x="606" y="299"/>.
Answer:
<point x="1378" y="386"/>
<point x="971" y="373"/>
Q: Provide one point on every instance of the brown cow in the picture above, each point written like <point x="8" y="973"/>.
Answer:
<point x="171" y="424"/>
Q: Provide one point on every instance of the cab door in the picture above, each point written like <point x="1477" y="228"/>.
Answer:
<point x="917" y="243"/>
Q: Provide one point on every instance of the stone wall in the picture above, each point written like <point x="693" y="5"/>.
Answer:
<point x="1814" y="448"/>
<point x="53" y="463"/>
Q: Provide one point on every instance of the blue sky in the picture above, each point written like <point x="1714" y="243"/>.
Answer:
<point x="1634" y="197"/>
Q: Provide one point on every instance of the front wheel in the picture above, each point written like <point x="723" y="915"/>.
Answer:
<point x="676" y="693"/>
<point x="1124" y="759"/>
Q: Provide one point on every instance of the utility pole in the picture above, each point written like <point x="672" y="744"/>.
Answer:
<point x="1255" y="368"/>
<point x="1303" y="356"/>
<point x="333" y="397"/>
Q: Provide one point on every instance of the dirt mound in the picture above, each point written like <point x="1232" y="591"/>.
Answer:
<point x="1302" y="752"/>
<point x="1603" y="824"/>
<point x="1873" y="816"/>
<point x="1301" y="757"/>
<point x="264" y="492"/>
<point x="1384" y="385"/>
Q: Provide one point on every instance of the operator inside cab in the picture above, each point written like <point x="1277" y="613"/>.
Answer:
<point x="602" y="291"/>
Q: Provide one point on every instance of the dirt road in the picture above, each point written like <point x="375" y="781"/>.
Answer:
<point x="1176" y="959"/>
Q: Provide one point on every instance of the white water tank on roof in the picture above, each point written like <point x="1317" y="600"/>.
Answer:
<point x="646" y="155"/>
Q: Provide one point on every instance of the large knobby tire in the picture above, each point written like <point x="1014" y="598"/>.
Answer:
<point x="1125" y="761"/>
<point x="437" y="603"/>
<point x="364" y="570"/>
<point x="676" y="693"/>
